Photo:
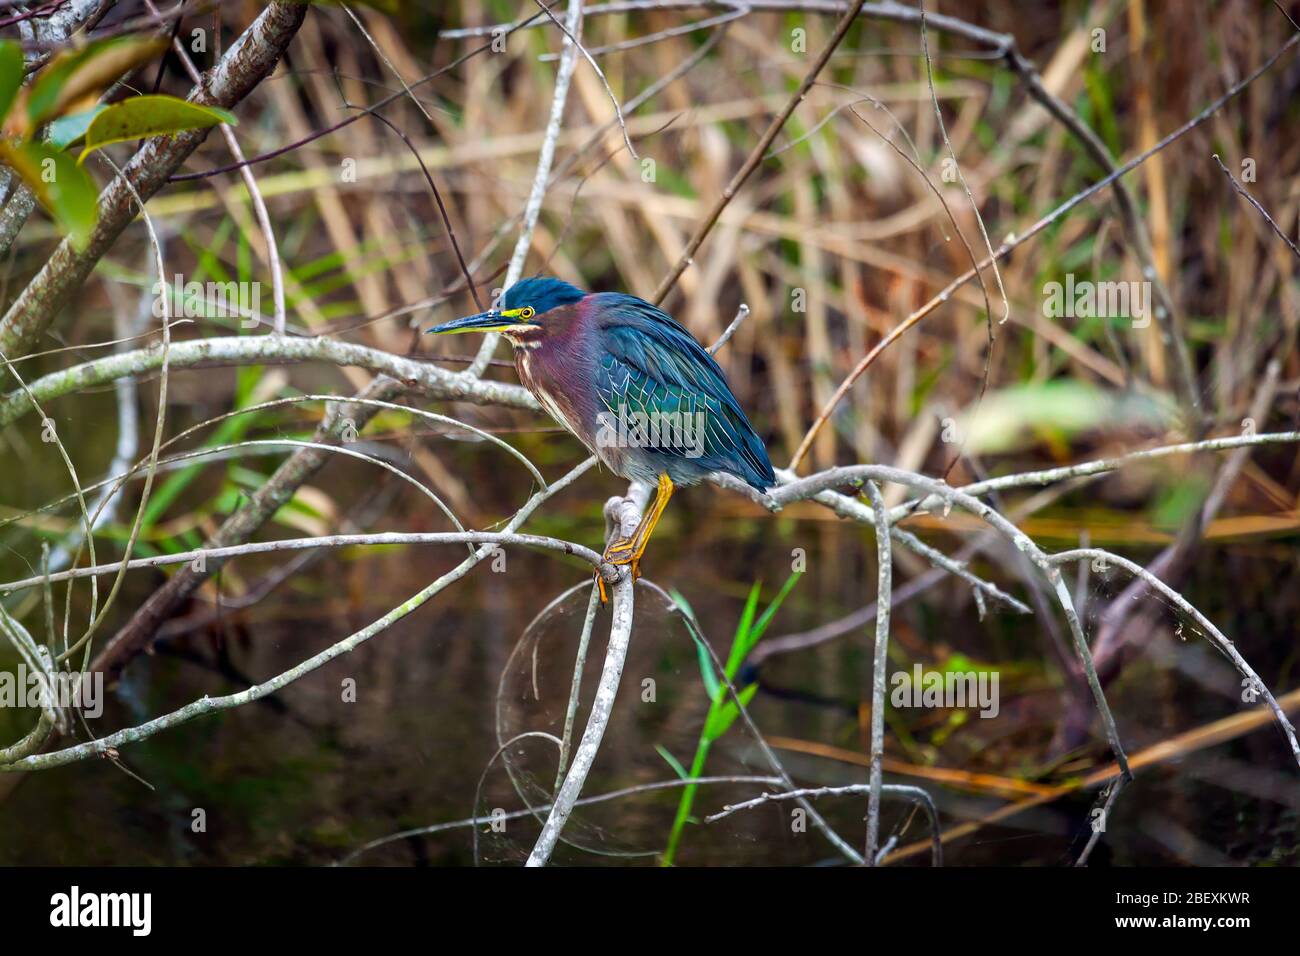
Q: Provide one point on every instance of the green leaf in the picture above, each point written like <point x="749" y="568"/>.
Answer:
<point x="721" y="718"/>
<point x="66" y="130"/>
<point x="741" y="640"/>
<point x="711" y="685"/>
<point x="143" y="116"/>
<point x="684" y="605"/>
<point x="672" y="762"/>
<point x="62" y="187"/>
<point x="11" y="74"/>
<point x="74" y="75"/>
<point x="756" y="633"/>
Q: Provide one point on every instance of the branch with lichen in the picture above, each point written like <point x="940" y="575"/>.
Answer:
<point x="423" y="377"/>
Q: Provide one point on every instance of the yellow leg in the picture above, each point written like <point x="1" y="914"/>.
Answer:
<point x="629" y="550"/>
<point x="649" y="521"/>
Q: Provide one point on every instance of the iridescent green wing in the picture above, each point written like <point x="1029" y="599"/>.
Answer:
<point x="650" y="364"/>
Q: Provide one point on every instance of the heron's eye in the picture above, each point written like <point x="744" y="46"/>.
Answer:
<point x="527" y="312"/>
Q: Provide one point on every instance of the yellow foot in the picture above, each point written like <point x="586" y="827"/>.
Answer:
<point x="621" y="552"/>
<point x="616" y="550"/>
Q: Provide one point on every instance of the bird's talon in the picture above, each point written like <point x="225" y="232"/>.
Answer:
<point x="621" y="546"/>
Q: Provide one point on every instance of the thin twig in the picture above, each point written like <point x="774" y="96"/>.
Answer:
<point x="916" y="793"/>
<point x="437" y="195"/>
<point x="545" y="157"/>
<point x="532" y="811"/>
<point x="755" y="156"/>
<point x="741" y="9"/>
<point x="618" y="110"/>
<point x="377" y="539"/>
<point x="1260" y="209"/>
<point x="250" y="183"/>
<point x="575" y="689"/>
<point x="741" y="315"/>
<point x="1251" y="680"/>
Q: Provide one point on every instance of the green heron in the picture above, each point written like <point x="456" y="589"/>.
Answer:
<point x="632" y="385"/>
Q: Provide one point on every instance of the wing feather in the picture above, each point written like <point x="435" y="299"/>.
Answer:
<point x="650" y="364"/>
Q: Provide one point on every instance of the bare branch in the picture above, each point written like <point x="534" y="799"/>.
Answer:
<point x="880" y="662"/>
<point x="1258" y="208"/>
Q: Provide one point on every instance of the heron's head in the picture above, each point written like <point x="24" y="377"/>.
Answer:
<point x="522" y="308"/>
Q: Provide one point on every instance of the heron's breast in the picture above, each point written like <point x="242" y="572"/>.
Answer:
<point x="535" y="377"/>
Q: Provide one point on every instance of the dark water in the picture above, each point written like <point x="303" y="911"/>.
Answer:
<point x="305" y="777"/>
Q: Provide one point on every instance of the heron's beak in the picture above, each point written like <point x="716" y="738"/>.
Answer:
<point x="493" y="320"/>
